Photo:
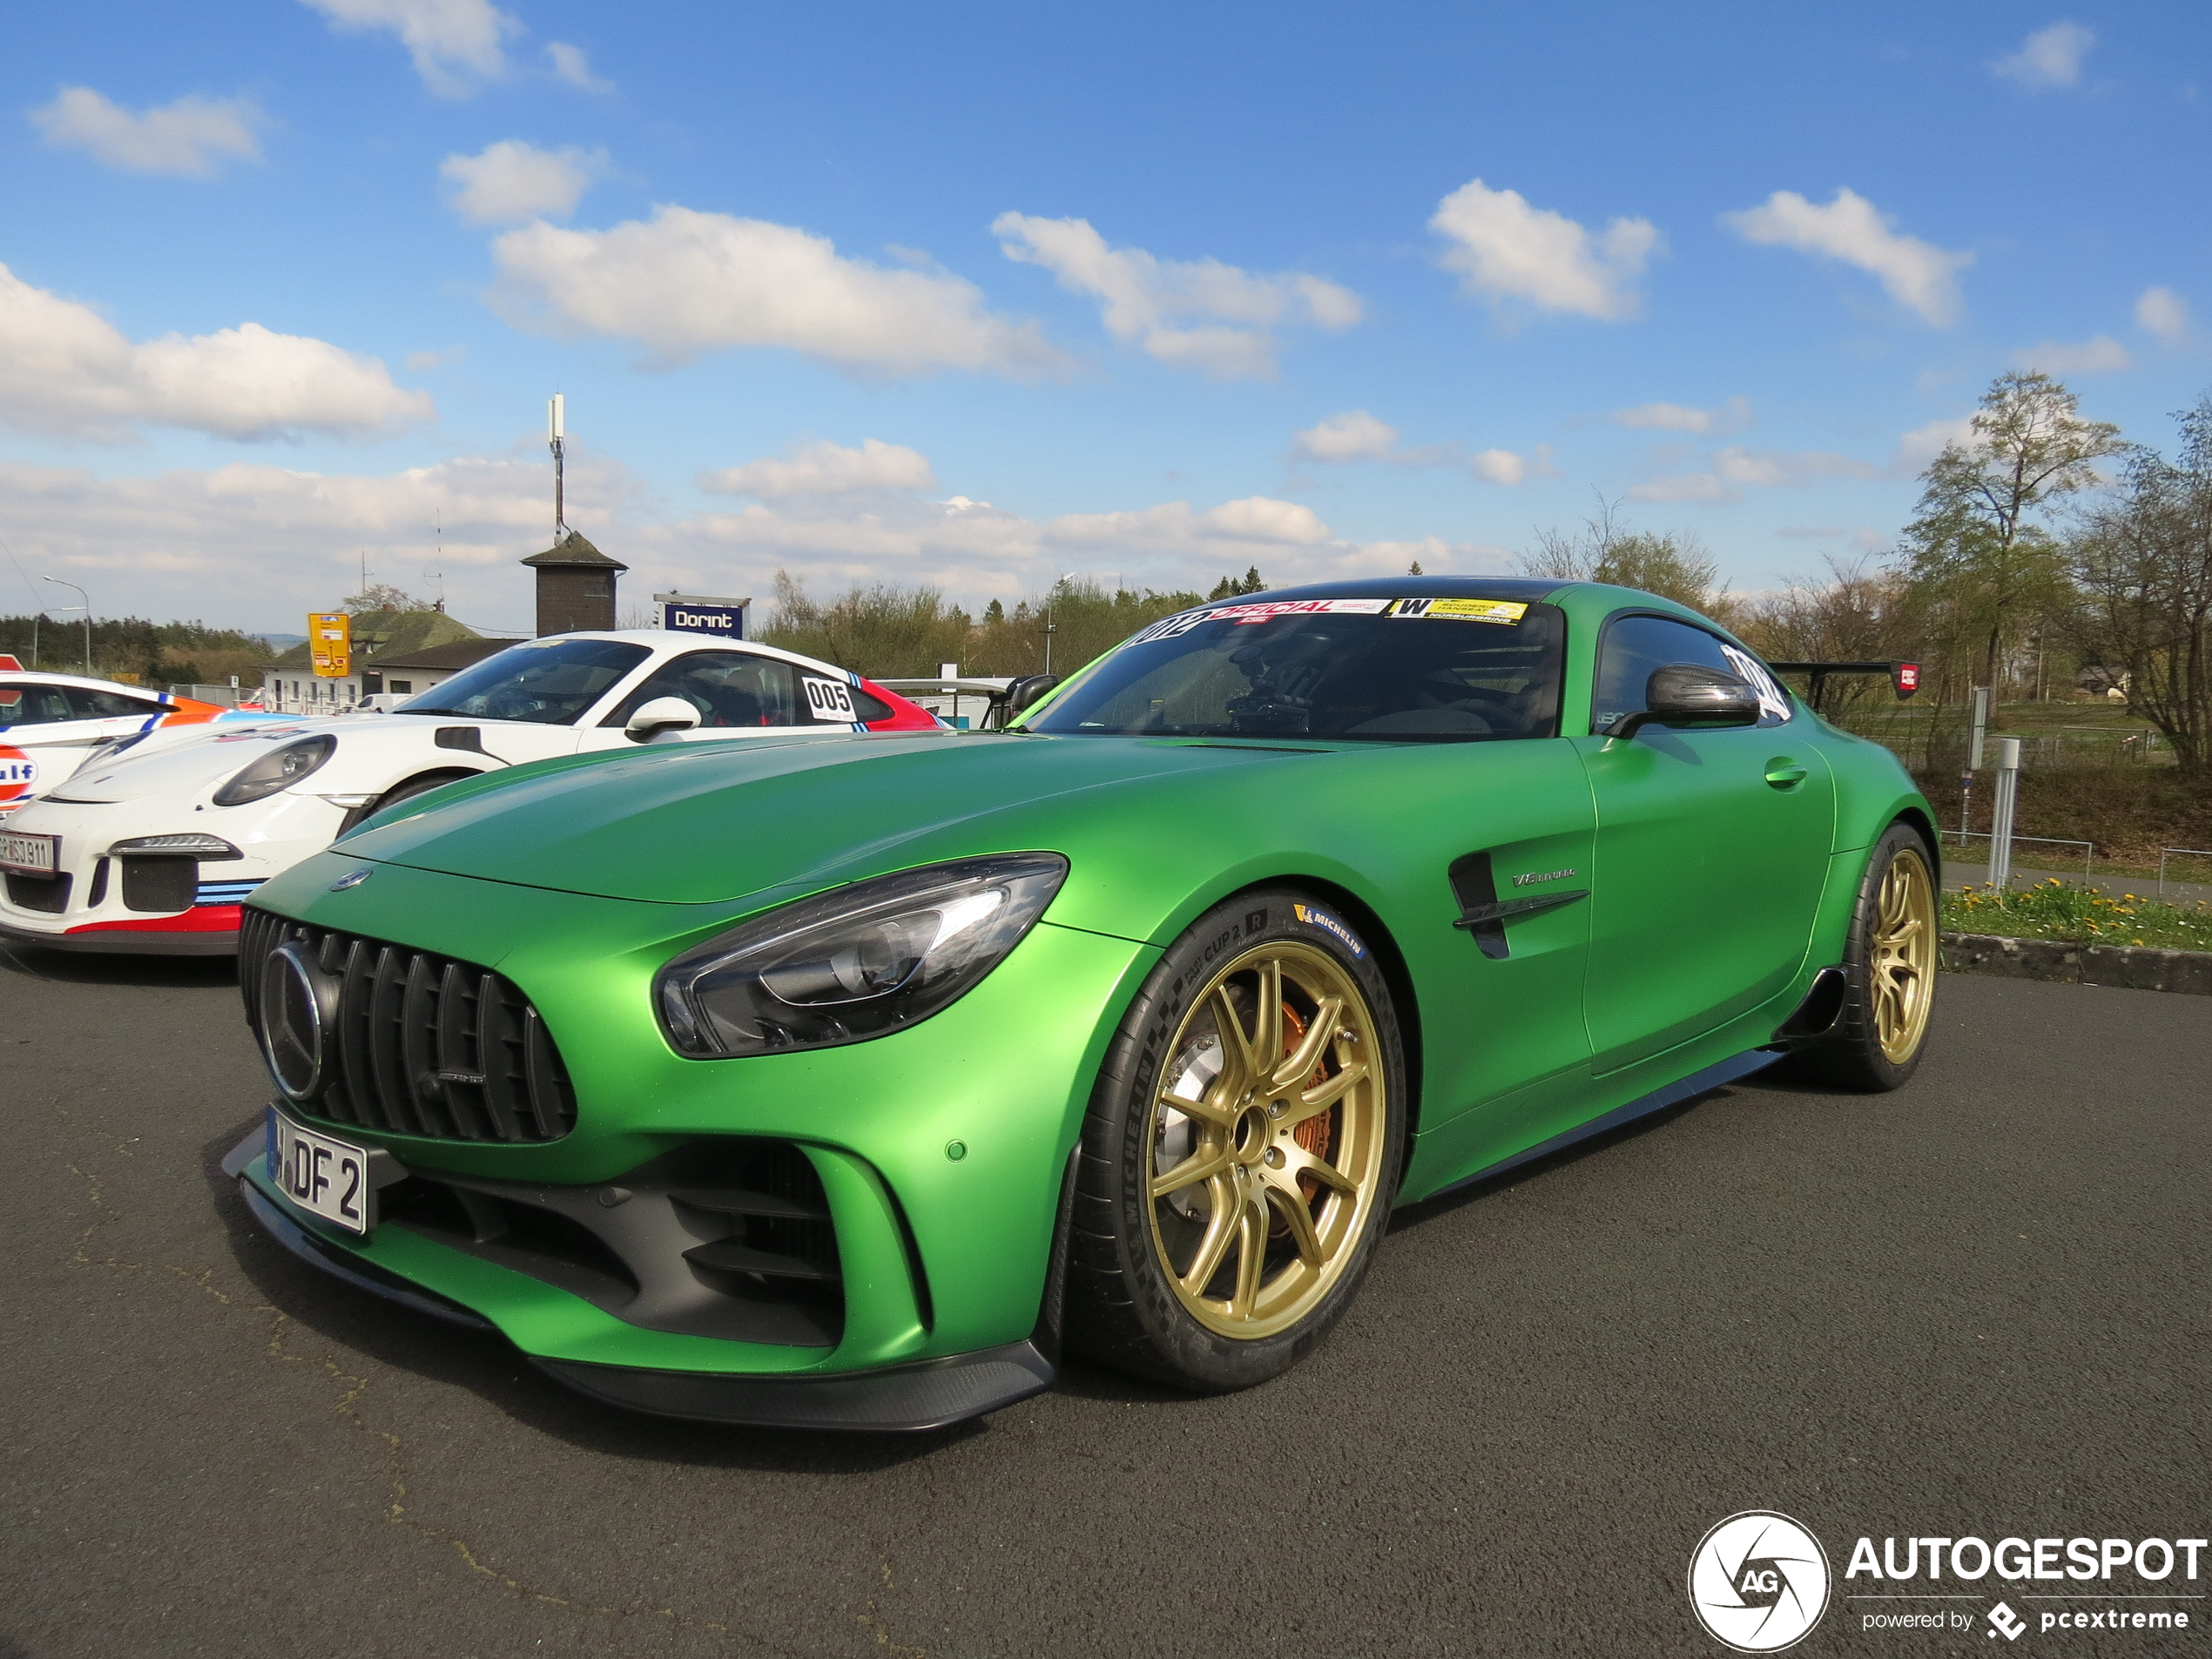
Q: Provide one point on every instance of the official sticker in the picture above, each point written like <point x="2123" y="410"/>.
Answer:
<point x="1268" y="609"/>
<point x="1508" y="611"/>
<point x="1313" y="916"/>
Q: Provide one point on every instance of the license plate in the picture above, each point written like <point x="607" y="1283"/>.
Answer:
<point x="324" y="1175"/>
<point x="32" y="854"/>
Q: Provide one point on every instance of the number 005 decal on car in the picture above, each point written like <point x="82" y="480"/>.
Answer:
<point x="828" y="699"/>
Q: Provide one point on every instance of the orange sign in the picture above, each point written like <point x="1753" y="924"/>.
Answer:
<point x="330" y="641"/>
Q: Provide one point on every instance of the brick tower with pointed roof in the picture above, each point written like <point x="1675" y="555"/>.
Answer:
<point x="576" y="585"/>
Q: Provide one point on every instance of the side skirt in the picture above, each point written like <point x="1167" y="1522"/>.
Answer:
<point x="1698" y="1082"/>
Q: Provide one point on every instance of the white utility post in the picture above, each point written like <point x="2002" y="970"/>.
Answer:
<point x="2000" y="824"/>
<point x="1981" y="733"/>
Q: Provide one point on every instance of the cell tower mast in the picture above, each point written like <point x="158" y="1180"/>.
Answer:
<point x="556" y="431"/>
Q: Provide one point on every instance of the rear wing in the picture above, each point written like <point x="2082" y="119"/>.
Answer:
<point x="1904" y="676"/>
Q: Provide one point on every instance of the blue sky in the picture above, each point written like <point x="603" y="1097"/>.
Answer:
<point x="981" y="295"/>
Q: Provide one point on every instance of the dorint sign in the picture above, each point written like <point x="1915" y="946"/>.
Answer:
<point x="683" y="613"/>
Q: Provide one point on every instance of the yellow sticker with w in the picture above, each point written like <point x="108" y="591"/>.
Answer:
<point x="1508" y="611"/>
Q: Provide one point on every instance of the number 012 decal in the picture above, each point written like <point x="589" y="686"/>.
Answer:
<point x="828" y="699"/>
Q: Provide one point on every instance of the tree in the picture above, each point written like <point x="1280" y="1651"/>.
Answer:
<point x="1675" y="566"/>
<point x="1414" y="569"/>
<point x="381" y="596"/>
<point x="1229" y="588"/>
<point x="1857" y="616"/>
<point x="1975" y="552"/>
<point x="2142" y="562"/>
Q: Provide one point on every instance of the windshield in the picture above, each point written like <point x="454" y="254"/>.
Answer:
<point x="549" y="682"/>
<point x="1454" y="669"/>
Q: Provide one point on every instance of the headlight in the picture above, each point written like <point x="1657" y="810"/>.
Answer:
<point x="859" y="962"/>
<point x="192" y="845"/>
<point x="279" y="769"/>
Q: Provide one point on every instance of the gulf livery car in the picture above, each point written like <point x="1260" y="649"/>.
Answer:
<point x="153" y="843"/>
<point x="840" y="1084"/>
<point x="50" y="724"/>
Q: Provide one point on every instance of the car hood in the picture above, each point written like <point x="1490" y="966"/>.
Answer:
<point x="705" y="824"/>
<point x="185" y="760"/>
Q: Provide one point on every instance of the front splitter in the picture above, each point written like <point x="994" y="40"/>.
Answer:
<point x="908" y="1398"/>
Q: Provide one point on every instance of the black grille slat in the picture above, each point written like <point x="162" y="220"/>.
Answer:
<point x="425" y="1045"/>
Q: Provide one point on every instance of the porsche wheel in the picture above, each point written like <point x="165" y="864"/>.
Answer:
<point x="1890" y="969"/>
<point x="1242" y="1149"/>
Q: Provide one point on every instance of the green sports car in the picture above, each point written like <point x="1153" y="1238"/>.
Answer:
<point x="842" y="1083"/>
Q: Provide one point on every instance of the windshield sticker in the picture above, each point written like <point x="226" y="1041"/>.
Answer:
<point x="1772" y="705"/>
<point x="1508" y="611"/>
<point x="1314" y="916"/>
<point x="1266" y="610"/>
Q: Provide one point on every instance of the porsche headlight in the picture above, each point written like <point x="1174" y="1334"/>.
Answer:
<point x="279" y="769"/>
<point x="855" y="963"/>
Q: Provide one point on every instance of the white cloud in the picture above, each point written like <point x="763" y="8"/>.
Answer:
<point x="1506" y="249"/>
<point x="573" y="64"/>
<point x="2050" y="57"/>
<point x="1141" y="297"/>
<point x="453" y="42"/>
<point x="1357" y="436"/>
<point x="285" y="541"/>
<point x="512" y="181"/>
<point x="2165" y="314"/>
<point x="1733" y="470"/>
<point x="820" y="469"/>
<point x="187" y="140"/>
<point x="1497" y="467"/>
<point x="1919" y="275"/>
<point x="1353" y="435"/>
<point x="1676" y="417"/>
<point x="2100" y="356"/>
<point x="1924" y="443"/>
<point x="688" y="282"/>
<point x="65" y="371"/>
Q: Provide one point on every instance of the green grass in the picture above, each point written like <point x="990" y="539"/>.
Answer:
<point x="2055" y="909"/>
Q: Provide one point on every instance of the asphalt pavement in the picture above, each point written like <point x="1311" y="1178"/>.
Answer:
<point x="1977" y="1306"/>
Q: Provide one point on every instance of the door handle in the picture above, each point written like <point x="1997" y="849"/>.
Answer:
<point x="1784" y="773"/>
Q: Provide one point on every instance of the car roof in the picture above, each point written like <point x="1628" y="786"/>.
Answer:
<point x="674" y="639"/>
<point x="40" y="677"/>
<point x="1530" y="588"/>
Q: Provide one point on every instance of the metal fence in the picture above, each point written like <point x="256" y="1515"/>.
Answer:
<point x="2088" y="848"/>
<point x="2166" y="853"/>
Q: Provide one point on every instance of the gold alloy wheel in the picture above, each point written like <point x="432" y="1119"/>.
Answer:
<point x="1901" y="968"/>
<point x="1267" y="1136"/>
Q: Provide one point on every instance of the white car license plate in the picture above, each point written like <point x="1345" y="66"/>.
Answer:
<point x="33" y="855"/>
<point x="325" y="1177"/>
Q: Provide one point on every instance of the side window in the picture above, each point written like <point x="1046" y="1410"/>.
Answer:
<point x="107" y="705"/>
<point x="1634" y="646"/>
<point x="33" y="705"/>
<point x="729" y="689"/>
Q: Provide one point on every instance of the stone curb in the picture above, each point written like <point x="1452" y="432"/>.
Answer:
<point x="2135" y="966"/>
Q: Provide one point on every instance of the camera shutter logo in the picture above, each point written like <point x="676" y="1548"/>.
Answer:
<point x="1758" y="1581"/>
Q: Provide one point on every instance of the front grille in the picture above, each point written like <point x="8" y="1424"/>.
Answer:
<point x="46" y="893"/>
<point x="425" y="1045"/>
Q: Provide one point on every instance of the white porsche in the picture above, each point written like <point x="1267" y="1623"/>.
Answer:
<point x="156" y="839"/>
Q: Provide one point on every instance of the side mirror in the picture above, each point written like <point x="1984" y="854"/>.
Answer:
<point x="1688" y="694"/>
<point x="662" y="714"/>
<point x="1028" y="692"/>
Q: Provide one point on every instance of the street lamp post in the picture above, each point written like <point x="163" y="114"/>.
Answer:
<point x="85" y="605"/>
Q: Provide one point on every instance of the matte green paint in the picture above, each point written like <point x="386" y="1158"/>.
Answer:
<point x="1715" y="898"/>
